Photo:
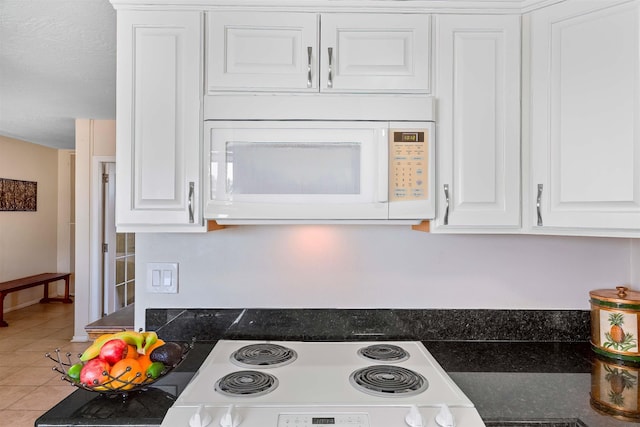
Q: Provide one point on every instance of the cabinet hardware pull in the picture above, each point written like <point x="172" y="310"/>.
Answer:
<point x="446" y="199"/>
<point x="309" y="51"/>
<point x="191" y="185"/>
<point x="539" y="204"/>
<point x="330" y="81"/>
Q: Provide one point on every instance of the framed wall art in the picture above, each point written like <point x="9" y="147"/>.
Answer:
<point x="18" y="195"/>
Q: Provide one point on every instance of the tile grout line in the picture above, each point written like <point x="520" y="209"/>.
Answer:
<point x="23" y="345"/>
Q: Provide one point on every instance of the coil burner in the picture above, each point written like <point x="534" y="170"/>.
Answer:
<point x="388" y="381"/>
<point x="384" y="353"/>
<point x="246" y="383"/>
<point x="263" y="355"/>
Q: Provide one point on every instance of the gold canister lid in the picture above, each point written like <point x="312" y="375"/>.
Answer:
<point x="619" y="295"/>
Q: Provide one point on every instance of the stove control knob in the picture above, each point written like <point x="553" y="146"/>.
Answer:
<point x="414" y="417"/>
<point x="201" y="418"/>
<point x="445" y="417"/>
<point x="227" y="419"/>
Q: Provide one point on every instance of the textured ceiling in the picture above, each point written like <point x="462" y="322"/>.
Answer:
<point x="57" y="63"/>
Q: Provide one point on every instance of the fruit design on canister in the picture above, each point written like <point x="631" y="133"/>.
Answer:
<point x="617" y="338"/>
<point x="619" y="380"/>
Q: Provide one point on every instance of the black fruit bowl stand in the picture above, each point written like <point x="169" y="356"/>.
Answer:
<point x="63" y="361"/>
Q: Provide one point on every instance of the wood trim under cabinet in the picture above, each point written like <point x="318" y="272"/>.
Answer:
<point x="424" y="226"/>
<point x="214" y="226"/>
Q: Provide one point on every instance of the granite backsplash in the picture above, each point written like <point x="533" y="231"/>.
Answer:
<point x="370" y="324"/>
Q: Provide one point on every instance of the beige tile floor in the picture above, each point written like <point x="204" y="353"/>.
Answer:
<point x="28" y="384"/>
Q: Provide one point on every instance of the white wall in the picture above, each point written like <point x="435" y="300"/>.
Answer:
<point x="635" y="264"/>
<point x="28" y="240"/>
<point x="95" y="142"/>
<point x="66" y="200"/>
<point x="379" y="266"/>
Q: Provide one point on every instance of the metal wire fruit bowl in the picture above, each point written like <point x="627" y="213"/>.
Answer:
<point x="113" y="385"/>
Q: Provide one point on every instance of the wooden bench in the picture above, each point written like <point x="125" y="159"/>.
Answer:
<point x="30" y="282"/>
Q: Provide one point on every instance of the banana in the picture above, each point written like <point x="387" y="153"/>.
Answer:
<point x="94" y="349"/>
<point x="131" y="337"/>
<point x="150" y="338"/>
<point x="99" y="388"/>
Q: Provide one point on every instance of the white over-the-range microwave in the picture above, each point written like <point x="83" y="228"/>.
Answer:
<point x="326" y="170"/>
<point x="318" y="171"/>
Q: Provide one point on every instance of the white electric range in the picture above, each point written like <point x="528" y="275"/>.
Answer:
<point x="308" y="384"/>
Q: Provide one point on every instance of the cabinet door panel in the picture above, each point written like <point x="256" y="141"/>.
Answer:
<point x="159" y="164"/>
<point x="262" y="51"/>
<point x="477" y="85"/>
<point x="158" y="118"/>
<point x="372" y="52"/>
<point x="586" y="112"/>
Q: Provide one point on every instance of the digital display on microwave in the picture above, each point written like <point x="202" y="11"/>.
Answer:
<point x="408" y="137"/>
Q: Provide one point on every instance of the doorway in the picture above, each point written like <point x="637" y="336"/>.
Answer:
<point x="118" y="250"/>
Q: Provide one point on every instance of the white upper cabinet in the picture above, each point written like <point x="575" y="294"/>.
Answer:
<point x="585" y="116"/>
<point x="375" y="53"/>
<point x="262" y="51"/>
<point x="310" y="52"/>
<point x="158" y="121"/>
<point x="579" y="101"/>
<point x="477" y="75"/>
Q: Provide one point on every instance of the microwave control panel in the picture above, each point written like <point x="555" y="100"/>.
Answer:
<point x="408" y="163"/>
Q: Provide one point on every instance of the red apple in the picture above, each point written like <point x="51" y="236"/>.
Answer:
<point x="93" y="372"/>
<point x="113" y="351"/>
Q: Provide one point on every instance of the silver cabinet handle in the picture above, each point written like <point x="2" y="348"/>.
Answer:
<point x="191" y="186"/>
<point x="309" y="55"/>
<point x="446" y="199"/>
<point x="330" y="80"/>
<point x="539" y="204"/>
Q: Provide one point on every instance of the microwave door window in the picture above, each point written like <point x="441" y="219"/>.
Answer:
<point x="292" y="168"/>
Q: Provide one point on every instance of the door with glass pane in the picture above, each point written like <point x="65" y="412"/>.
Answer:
<point x="125" y="269"/>
<point x="118" y="252"/>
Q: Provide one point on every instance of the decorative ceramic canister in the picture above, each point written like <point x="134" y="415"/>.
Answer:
<point x="614" y="389"/>
<point x="614" y="323"/>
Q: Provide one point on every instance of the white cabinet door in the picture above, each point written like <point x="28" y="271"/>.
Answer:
<point x="262" y="51"/>
<point x="158" y="120"/>
<point x="375" y="53"/>
<point x="478" y="90"/>
<point x="585" y="117"/>
<point x="310" y="52"/>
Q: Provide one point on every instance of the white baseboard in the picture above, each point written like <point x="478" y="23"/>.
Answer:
<point x="23" y="305"/>
<point x="80" y="338"/>
<point x="31" y="302"/>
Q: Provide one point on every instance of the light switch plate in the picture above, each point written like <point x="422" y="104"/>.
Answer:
<point x="162" y="277"/>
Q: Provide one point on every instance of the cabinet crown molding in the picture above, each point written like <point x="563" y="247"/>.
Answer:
<point x="439" y="6"/>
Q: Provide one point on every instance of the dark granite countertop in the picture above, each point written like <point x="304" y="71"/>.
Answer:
<point x="511" y="383"/>
<point x="531" y="383"/>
